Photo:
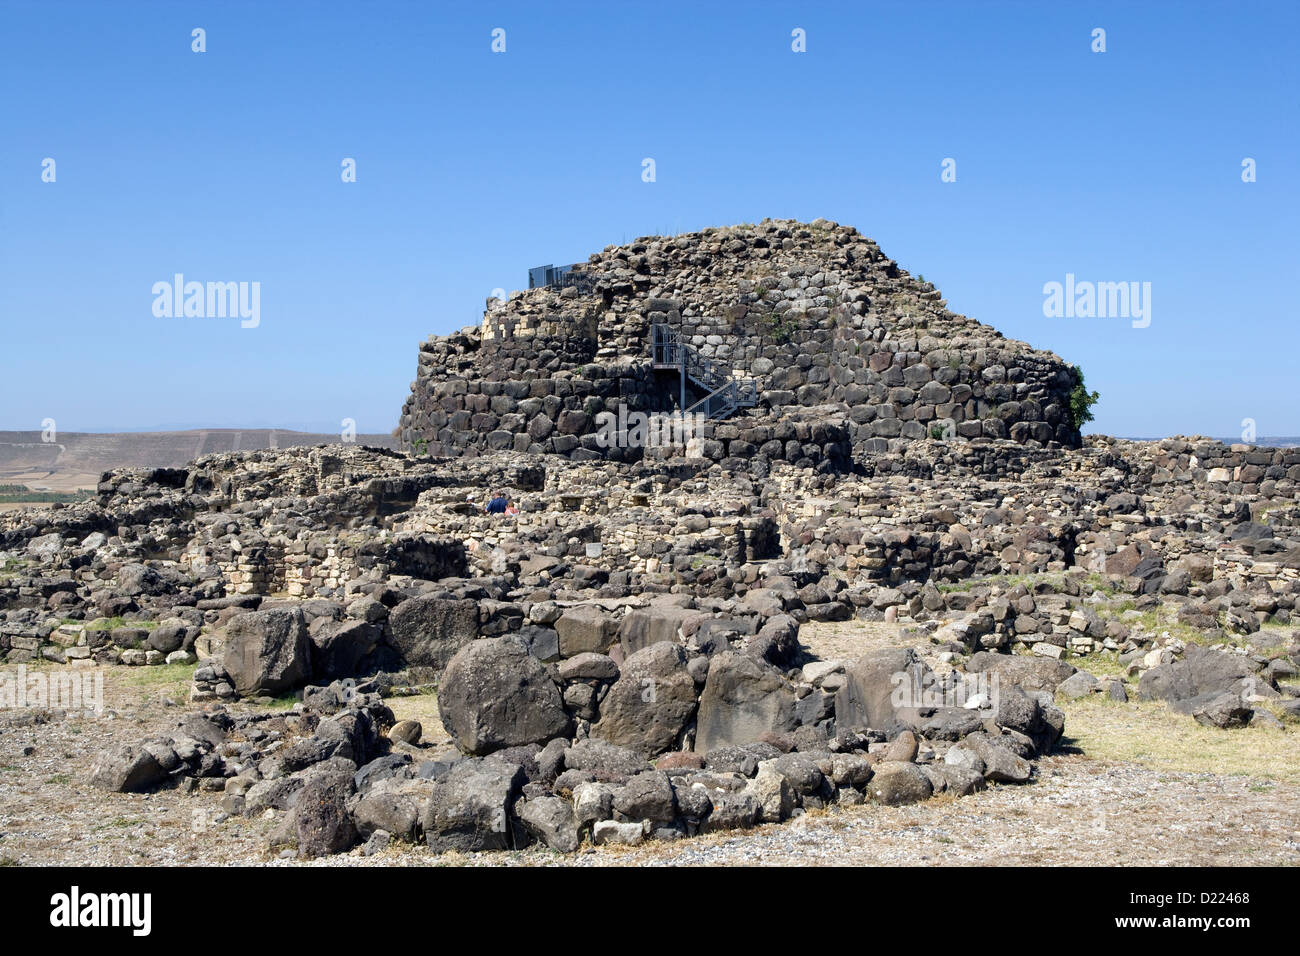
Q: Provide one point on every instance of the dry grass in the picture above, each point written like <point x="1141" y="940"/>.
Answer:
<point x="424" y="708"/>
<point x="1150" y="734"/>
<point x="130" y="686"/>
<point x="849" y="640"/>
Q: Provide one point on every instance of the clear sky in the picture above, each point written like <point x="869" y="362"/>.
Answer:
<point x="472" y="166"/>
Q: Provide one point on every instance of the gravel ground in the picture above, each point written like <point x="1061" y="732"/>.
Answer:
<point x="1079" y="811"/>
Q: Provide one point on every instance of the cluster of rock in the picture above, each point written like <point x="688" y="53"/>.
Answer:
<point x="685" y="743"/>
<point x="162" y="561"/>
<point x="814" y="314"/>
<point x="1221" y="688"/>
<point x="656" y="608"/>
<point x="623" y="659"/>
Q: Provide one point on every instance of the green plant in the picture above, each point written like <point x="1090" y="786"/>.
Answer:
<point x="1081" y="401"/>
<point x="21" y="494"/>
<point x="780" y="328"/>
<point x="106" y="623"/>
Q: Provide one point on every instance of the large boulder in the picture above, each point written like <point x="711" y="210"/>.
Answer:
<point x="1028" y="673"/>
<point x="320" y="814"/>
<point x="495" y="694"/>
<point x="267" y="652"/>
<point x="168" y="636"/>
<point x="651" y="703"/>
<point x="896" y="784"/>
<point x="604" y="760"/>
<point x="586" y="628"/>
<point x="647" y="626"/>
<point x="777" y="640"/>
<point x="552" y="821"/>
<point x="138" y="579"/>
<point x="393" y="805"/>
<point x="1219" y="710"/>
<point x="338" y="647"/>
<point x="1202" y="671"/>
<point x="1018" y="711"/>
<point x="647" y="796"/>
<point x="743" y="699"/>
<point x="876" y="689"/>
<point x="127" y="770"/>
<point x="732" y="810"/>
<point x="996" y="760"/>
<point x="774" y="794"/>
<point x="428" y="631"/>
<point x="469" y="808"/>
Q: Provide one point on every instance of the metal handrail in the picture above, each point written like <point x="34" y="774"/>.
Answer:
<point x="725" y="394"/>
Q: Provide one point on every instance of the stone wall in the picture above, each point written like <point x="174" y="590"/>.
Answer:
<point x="321" y="564"/>
<point x="814" y="313"/>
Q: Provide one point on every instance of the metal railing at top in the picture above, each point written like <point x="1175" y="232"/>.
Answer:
<point x="561" y="277"/>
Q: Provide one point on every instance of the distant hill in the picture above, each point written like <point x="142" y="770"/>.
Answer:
<point x="77" y="459"/>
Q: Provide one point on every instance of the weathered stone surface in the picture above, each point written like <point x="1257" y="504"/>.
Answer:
<point x="407" y="731"/>
<point x="647" y="796"/>
<point x="732" y="811"/>
<point x="1222" y="711"/>
<point x="469" y="809"/>
<point x="588" y="666"/>
<point x="1000" y="763"/>
<point x="1201" y="671"/>
<point x="774" y="794"/>
<point x="494" y="694"/>
<point x="127" y="770"/>
<point x="869" y="697"/>
<point x="1077" y="685"/>
<point x="605" y="759"/>
<point x="1028" y="673"/>
<point x="643" y="628"/>
<point x="610" y="831"/>
<point x="551" y="820"/>
<point x="338" y="648"/>
<point x="586" y="628"/>
<point x="895" y="784"/>
<point x="742" y="699"/>
<point x="651" y="703"/>
<point x="428" y="631"/>
<point x="267" y="652"/>
<point x="321" y="818"/>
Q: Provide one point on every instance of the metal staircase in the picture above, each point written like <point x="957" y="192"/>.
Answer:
<point x="723" y="394"/>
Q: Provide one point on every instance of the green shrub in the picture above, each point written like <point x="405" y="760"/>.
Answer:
<point x="1081" y="401"/>
<point x="781" y="329"/>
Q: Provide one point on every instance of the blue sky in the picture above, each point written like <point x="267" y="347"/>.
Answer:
<point x="473" y="166"/>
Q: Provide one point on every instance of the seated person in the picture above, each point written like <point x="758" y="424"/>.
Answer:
<point x="497" y="506"/>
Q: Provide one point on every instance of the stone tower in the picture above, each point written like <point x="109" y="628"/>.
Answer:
<point x="835" y="336"/>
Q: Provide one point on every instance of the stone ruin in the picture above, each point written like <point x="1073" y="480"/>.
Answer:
<point x="822" y="324"/>
<point x="628" y="658"/>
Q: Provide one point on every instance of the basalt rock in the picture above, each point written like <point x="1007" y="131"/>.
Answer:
<point x="494" y="695"/>
<point x="660" y="603"/>
<point x="814" y="315"/>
